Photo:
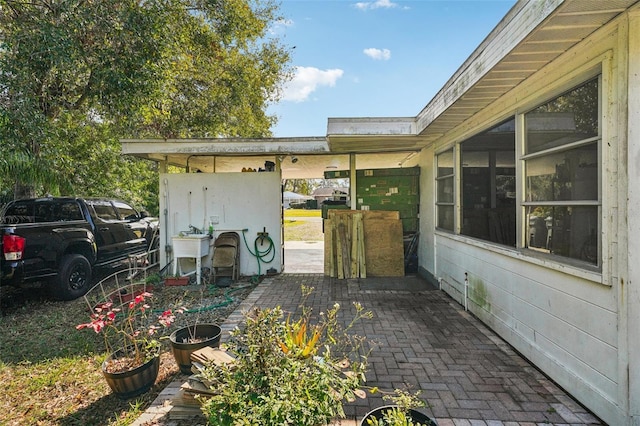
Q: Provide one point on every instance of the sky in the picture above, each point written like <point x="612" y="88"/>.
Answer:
<point x="373" y="58"/>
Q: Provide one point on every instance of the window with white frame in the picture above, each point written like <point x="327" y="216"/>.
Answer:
<point x="445" y="194"/>
<point x="561" y="169"/>
<point x="488" y="184"/>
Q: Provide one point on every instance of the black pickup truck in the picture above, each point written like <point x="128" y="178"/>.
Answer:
<point x="60" y="240"/>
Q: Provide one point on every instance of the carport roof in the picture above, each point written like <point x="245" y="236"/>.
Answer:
<point x="530" y="36"/>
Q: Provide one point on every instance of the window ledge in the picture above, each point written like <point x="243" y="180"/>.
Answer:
<point x="586" y="272"/>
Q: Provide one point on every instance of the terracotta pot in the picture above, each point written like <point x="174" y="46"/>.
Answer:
<point x="206" y="335"/>
<point x="128" y="293"/>
<point x="415" y="415"/>
<point x="176" y="281"/>
<point x="131" y="383"/>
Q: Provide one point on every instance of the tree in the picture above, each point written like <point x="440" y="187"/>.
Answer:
<point x="77" y="75"/>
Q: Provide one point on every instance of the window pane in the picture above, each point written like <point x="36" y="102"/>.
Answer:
<point x="445" y="217"/>
<point x="445" y="190"/>
<point x="564" y="230"/>
<point x="445" y="163"/>
<point x="69" y="211"/>
<point x="564" y="176"/>
<point x="488" y="185"/>
<point x="567" y="118"/>
<point x="126" y="211"/>
<point x="103" y="210"/>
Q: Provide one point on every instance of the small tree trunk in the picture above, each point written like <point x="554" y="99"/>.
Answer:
<point x="21" y="190"/>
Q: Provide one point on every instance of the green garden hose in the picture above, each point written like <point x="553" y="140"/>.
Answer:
<point x="260" y="255"/>
<point x="228" y="300"/>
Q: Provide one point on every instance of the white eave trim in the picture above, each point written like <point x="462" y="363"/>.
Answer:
<point x="518" y="24"/>
<point x="227" y="146"/>
<point x="386" y="126"/>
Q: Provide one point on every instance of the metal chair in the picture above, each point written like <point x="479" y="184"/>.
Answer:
<point x="226" y="256"/>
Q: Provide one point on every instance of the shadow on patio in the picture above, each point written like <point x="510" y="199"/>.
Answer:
<point x="468" y="375"/>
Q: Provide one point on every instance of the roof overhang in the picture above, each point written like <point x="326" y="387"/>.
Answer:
<point x="530" y="36"/>
<point x="299" y="158"/>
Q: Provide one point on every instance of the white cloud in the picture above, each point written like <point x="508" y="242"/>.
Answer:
<point x="377" y="4"/>
<point x="280" y="26"/>
<point x="307" y="80"/>
<point x="378" y="54"/>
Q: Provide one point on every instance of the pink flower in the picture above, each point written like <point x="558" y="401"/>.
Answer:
<point x="130" y="323"/>
<point x="166" y="318"/>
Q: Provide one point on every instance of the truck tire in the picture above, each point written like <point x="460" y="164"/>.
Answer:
<point x="73" y="279"/>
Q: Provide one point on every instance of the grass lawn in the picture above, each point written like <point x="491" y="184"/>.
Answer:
<point x="296" y="228"/>
<point x="302" y="213"/>
<point x="51" y="372"/>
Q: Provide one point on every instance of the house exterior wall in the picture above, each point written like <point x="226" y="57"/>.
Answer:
<point x="631" y="227"/>
<point x="578" y="325"/>
<point x="236" y="201"/>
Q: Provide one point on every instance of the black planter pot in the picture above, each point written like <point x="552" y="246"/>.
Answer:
<point x="131" y="383"/>
<point x="415" y="415"/>
<point x="182" y="349"/>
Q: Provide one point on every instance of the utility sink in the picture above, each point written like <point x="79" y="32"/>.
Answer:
<point x="195" y="246"/>
<point x="191" y="245"/>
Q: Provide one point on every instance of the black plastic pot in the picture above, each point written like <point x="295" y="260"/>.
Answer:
<point x="131" y="383"/>
<point x="415" y="415"/>
<point x="182" y="348"/>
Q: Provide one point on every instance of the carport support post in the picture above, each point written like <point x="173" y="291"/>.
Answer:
<point x="352" y="181"/>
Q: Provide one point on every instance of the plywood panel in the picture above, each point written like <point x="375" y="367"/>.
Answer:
<point x="384" y="248"/>
<point x="375" y="248"/>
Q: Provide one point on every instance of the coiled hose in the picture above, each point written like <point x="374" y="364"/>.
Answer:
<point x="260" y="255"/>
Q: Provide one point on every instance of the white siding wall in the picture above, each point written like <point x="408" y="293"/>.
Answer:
<point x="630" y="229"/>
<point x="237" y="200"/>
<point x="573" y="324"/>
<point x="565" y="324"/>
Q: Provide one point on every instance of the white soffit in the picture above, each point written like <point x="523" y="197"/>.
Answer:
<point x="531" y="35"/>
<point x="312" y="156"/>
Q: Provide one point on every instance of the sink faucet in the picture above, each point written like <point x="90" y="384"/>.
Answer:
<point x="194" y="230"/>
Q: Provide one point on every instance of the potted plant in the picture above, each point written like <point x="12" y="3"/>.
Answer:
<point x="401" y="413"/>
<point x="131" y="337"/>
<point x="176" y="280"/>
<point x="153" y="280"/>
<point x="186" y="340"/>
<point x="287" y="371"/>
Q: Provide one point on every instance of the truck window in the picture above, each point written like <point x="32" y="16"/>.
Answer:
<point x="69" y="211"/>
<point x="103" y="210"/>
<point x="44" y="212"/>
<point x="126" y="211"/>
<point x="19" y="213"/>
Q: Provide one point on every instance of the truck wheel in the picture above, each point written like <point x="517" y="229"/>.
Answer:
<point x="73" y="279"/>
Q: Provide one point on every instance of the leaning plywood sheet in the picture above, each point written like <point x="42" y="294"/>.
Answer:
<point x="367" y="214"/>
<point x="384" y="248"/>
<point x="329" y="256"/>
<point x="350" y="251"/>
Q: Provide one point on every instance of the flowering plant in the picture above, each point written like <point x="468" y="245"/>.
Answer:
<point x="129" y="329"/>
<point x="288" y="371"/>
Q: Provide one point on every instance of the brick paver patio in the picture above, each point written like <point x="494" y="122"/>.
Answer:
<point x="468" y="375"/>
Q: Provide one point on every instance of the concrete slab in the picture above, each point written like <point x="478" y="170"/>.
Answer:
<point x="304" y="257"/>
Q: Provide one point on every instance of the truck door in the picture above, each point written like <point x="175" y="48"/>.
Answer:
<point x="104" y="217"/>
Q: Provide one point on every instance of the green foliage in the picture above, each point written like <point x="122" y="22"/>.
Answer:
<point x="287" y="371"/>
<point x="76" y="76"/>
<point x="398" y="414"/>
